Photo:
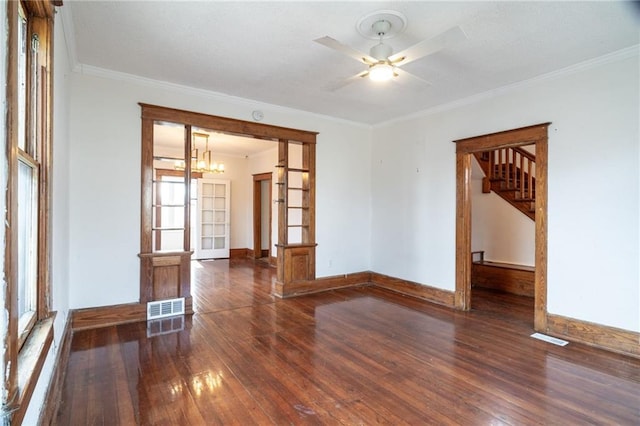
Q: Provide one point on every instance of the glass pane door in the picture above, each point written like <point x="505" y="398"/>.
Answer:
<point x="213" y="214"/>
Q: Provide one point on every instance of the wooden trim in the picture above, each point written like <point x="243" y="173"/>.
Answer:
<point x="462" y="299"/>
<point x="537" y="134"/>
<point x="284" y="136"/>
<point x="227" y="125"/>
<point x="540" y="281"/>
<point x="514" y="279"/>
<point x="146" y="185"/>
<point x="257" y="213"/>
<point x="30" y="361"/>
<point x="600" y="336"/>
<point x="238" y="253"/>
<point x="262" y="176"/>
<point x="299" y="288"/>
<point x="410" y="288"/>
<point x="507" y="138"/>
<point x="54" y="391"/>
<point x="10" y="336"/>
<point x="104" y="316"/>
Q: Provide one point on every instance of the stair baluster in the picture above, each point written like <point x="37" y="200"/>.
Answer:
<point x="510" y="173"/>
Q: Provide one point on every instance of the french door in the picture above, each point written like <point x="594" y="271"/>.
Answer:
<point x="212" y="219"/>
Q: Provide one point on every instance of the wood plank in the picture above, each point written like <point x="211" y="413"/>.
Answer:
<point x="540" y="313"/>
<point x="226" y="125"/>
<point x="508" y="278"/>
<point x="107" y="315"/>
<point x="302" y="287"/>
<point x="462" y="298"/>
<point x="601" y="336"/>
<point x="358" y="355"/>
<point x="504" y="139"/>
<point x="410" y="288"/>
<point x="239" y="253"/>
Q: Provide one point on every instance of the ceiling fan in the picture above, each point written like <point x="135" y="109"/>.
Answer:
<point x="382" y="64"/>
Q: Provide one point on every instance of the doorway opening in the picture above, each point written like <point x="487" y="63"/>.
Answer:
<point x="465" y="148"/>
<point x="262" y="225"/>
<point x="165" y="272"/>
<point x="503" y="231"/>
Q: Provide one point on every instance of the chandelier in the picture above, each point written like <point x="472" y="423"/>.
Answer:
<point x="202" y="164"/>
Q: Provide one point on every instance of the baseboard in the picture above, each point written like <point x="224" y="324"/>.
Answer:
<point x="239" y="253"/>
<point x="54" y="391"/>
<point x="600" y="336"/>
<point x="410" y="288"/>
<point x="512" y="279"/>
<point x="318" y="285"/>
<point x="105" y="316"/>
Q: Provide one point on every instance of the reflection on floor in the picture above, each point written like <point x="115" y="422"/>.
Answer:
<point x="353" y="356"/>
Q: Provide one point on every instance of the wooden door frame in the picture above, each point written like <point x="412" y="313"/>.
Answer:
<point x="257" y="213"/>
<point x="538" y="135"/>
<point x="150" y="260"/>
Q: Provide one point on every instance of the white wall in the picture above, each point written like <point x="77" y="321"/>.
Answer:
<point x="105" y="174"/>
<point x="593" y="205"/>
<point x="502" y="231"/>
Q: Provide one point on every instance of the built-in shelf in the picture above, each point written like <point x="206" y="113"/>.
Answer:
<point x="166" y="229"/>
<point x="298" y="207"/>
<point x="294" y="188"/>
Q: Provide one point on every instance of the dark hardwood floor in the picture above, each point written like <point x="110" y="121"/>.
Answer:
<point x="353" y="356"/>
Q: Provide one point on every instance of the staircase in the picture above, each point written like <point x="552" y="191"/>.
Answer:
<point x="510" y="173"/>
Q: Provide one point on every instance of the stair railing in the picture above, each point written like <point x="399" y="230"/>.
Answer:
<point x="516" y="167"/>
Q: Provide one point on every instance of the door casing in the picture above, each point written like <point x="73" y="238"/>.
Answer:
<point x="538" y="135"/>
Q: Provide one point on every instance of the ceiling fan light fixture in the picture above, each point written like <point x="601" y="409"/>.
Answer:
<point x="381" y="72"/>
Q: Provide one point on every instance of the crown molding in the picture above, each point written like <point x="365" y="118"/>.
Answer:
<point x="619" y="55"/>
<point x="69" y="32"/>
<point x="217" y="96"/>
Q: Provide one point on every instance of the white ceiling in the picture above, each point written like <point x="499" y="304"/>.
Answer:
<point x="264" y="50"/>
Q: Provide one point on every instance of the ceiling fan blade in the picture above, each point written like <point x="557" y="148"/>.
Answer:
<point x="405" y="75"/>
<point x="347" y="50"/>
<point x="429" y="46"/>
<point x="348" y="81"/>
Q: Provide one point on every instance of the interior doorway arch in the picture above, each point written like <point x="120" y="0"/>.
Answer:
<point x="165" y="274"/>
<point x="538" y="135"/>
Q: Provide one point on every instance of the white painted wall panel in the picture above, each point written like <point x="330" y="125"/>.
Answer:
<point x="593" y="270"/>
<point x="105" y="189"/>
<point x="503" y="232"/>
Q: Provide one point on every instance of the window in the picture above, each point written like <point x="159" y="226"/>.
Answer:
<point x="28" y="92"/>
